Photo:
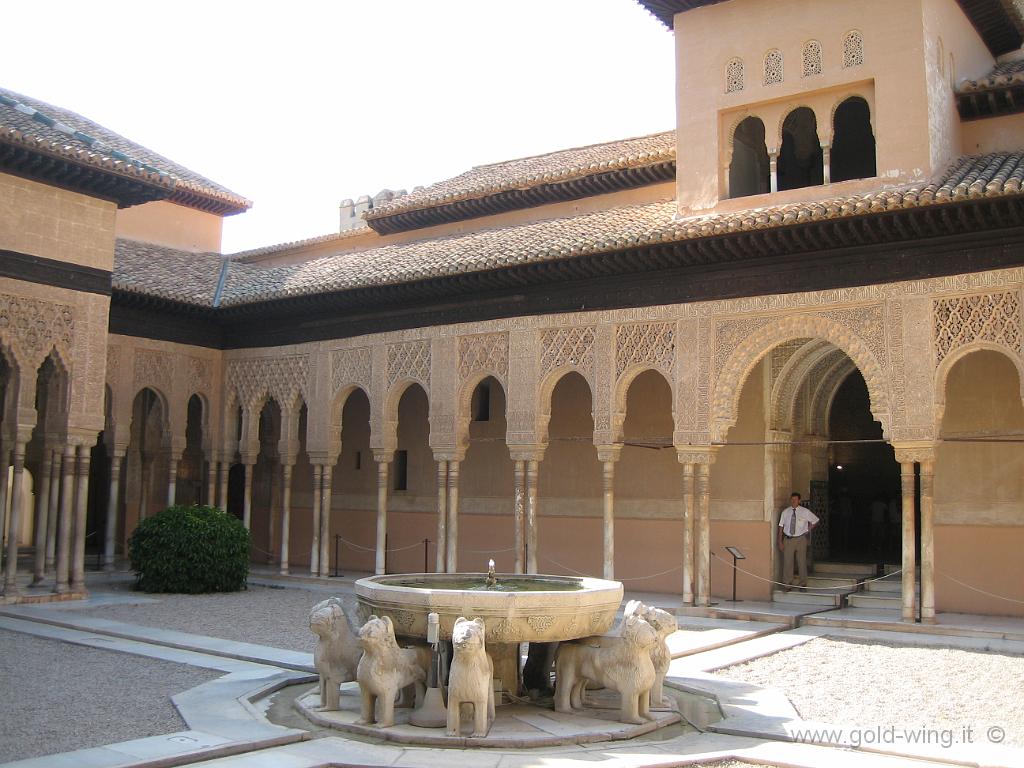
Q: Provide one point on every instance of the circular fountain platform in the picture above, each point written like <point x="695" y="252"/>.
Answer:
<point x="516" y="726"/>
<point x="519" y="608"/>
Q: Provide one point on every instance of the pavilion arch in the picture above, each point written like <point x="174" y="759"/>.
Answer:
<point x="547" y="388"/>
<point x="793" y="377"/>
<point x="336" y="415"/>
<point x="204" y="422"/>
<point x="464" y="402"/>
<point x="622" y="392"/>
<point x="825" y="394"/>
<point x="389" y="411"/>
<point x="947" y="364"/>
<point x="749" y="171"/>
<point x="729" y="383"/>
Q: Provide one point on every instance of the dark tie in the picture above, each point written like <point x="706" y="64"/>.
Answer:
<point x="792" y="523"/>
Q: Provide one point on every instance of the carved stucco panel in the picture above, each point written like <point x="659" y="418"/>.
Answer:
<point x="409" y="360"/>
<point x="646" y="344"/>
<point x="154" y="369"/>
<point x="568" y="348"/>
<point x="991" y="317"/>
<point x="283" y="378"/>
<point x="350" y="366"/>
<point x="523" y="387"/>
<point x="485" y="353"/>
<point x="32" y="327"/>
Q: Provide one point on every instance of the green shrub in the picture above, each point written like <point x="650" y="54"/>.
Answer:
<point x="190" y="549"/>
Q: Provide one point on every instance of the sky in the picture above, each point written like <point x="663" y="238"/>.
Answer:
<point x="299" y="105"/>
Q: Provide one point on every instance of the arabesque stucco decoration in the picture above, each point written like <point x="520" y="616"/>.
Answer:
<point x="962" y="320"/>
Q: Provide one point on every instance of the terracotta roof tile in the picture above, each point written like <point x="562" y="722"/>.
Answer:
<point x="970" y="177"/>
<point x="1005" y="74"/>
<point x="527" y="172"/>
<point x="266" y="250"/>
<point x="153" y="270"/>
<point x="31" y="122"/>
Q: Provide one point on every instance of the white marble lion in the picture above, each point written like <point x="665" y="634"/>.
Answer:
<point x="385" y="669"/>
<point x="470" y="679"/>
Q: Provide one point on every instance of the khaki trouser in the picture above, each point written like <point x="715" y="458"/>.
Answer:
<point x="796" y="545"/>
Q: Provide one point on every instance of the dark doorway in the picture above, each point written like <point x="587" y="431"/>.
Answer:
<point x="800" y="158"/>
<point x="748" y="171"/>
<point x="853" y="143"/>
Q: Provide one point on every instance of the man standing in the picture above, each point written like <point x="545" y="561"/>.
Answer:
<point x="795" y="525"/>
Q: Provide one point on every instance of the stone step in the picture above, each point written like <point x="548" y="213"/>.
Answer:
<point x="890" y="584"/>
<point x="845" y="569"/>
<point x="876" y="600"/>
<point x="832" y="599"/>
<point x="825" y="582"/>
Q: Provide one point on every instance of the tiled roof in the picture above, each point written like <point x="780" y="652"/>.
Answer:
<point x="266" y="250"/>
<point x="616" y="229"/>
<point x="1005" y="74"/>
<point x="153" y="270"/>
<point x="34" y="123"/>
<point x="523" y="173"/>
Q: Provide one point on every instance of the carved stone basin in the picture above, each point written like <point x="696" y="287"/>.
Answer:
<point x="521" y="608"/>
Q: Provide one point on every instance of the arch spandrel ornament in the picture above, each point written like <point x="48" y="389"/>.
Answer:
<point x="741" y="359"/>
<point x="31" y="328"/>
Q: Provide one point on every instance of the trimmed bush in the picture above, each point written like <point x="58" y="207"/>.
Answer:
<point x="190" y="549"/>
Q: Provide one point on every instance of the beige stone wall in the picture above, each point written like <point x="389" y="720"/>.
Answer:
<point x="41" y="220"/>
<point x="996" y="134"/>
<point x="171" y="225"/>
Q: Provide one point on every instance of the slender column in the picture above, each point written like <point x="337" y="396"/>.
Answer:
<point x="325" y="519"/>
<point x="18" y="462"/>
<point x="81" y="512"/>
<point x="5" y="463"/>
<point x="608" y="484"/>
<point x="110" y="534"/>
<point x="773" y="167"/>
<point x="442" y="515"/>
<point x="531" y="515"/>
<point x="689" y="511"/>
<point x="927" y="543"/>
<point x="826" y="163"/>
<point x="247" y="497"/>
<point x="42" y="516"/>
<point x="146" y="485"/>
<point x="172" y="479"/>
<point x="909" y="554"/>
<point x="223" y="467"/>
<point x="54" y="513"/>
<point x="383" y="462"/>
<point x="211" y="482"/>
<point x="452" y="545"/>
<point x="703" y="553"/>
<point x="314" y="550"/>
<point x="286" y="514"/>
<point x="518" y="512"/>
<point x="67" y="500"/>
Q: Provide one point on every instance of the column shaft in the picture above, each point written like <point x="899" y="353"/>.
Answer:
<point x="247" y="498"/>
<point x="518" y="513"/>
<point x="452" y="544"/>
<point x="110" y="534"/>
<point x="689" y="510"/>
<point x="440" y="560"/>
<point x="223" y="468"/>
<point x="608" y="483"/>
<point x="703" y="553"/>
<point x="42" y="516"/>
<point x="172" y="480"/>
<point x="14" y="525"/>
<point x="531" y="515"/>
<point x="927" y="542"/>
<point x="67" y="500"/>
<point x="81" y="513"/>
<point x="54" y="513"/>
<point x="5" y="463"/>
<point x="909" y="551"/>
<point x="211" y="483"/>
<point x="286" y="514"/>
<point x="314" y="550"/>
<point x="382" y="516"/>
<point x="325" y="520"/>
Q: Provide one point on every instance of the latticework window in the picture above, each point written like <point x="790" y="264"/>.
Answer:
<point x="773" y="67"/>
<point x="734" y="76"/>
<point x="812" y="58"/>
<point x="853" y="49"/>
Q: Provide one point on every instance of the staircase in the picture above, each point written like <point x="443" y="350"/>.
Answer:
<point x="833" y="585"/>
<point x="886" y="594"/>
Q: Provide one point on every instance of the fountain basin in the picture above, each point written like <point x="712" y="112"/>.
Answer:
<point x="530" y="608"/>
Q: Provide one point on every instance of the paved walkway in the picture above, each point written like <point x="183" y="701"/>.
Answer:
<point x="227" y="730"/>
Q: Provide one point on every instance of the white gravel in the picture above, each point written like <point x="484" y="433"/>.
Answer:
<point x="261" y="615"/>
<point x="59" y="697"/>
<point x="857" y="683"/>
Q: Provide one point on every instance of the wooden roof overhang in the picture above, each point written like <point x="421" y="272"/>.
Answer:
<point x="994" y="101"/>
<point x="529" y="197"/>
<point x="125" y="189"/>
<point x="903" y="244"/>
<point x="997" y="22"/>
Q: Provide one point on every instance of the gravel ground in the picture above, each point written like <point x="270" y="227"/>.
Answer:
<point x="59" y="697"/>
<point x="856" y="683"/>
<point x="261" y="615"/>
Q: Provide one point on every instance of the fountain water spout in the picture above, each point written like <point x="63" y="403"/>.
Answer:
<point x="492" y="580"/>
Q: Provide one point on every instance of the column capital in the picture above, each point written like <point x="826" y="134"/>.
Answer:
<point x="696" y="454"/>
<point x="383" y="456"/>
<point x="914" y="451"/>
<point x="449" y="454"/>
<point x="609" y="452"/>
<point x="527" y="452"/>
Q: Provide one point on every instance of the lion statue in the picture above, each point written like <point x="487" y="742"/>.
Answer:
<point x="337" y="651"/>
<point x="385" y="669"/>
<point x="470" y="678"/>
<point x="621" y="662"/>
<point x="664" y="624"/>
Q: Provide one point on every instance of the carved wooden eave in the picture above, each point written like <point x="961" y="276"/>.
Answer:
<point x="1003" y="96"/>
<point x="952" y="238"/>
<point x="998" y="22"/>
<point x="527" y="197"/>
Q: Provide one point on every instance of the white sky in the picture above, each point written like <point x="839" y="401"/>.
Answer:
<point x="298" y="105"/>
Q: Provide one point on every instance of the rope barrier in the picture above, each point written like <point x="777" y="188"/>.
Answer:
<point x="782" y="584"/>
<point x="489" y="551"/>
<point x="980" y="591"/>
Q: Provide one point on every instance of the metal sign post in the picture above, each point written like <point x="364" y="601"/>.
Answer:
<point x="736" y="556"/>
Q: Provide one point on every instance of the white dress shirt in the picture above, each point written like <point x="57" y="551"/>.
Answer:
<point x="802" y="523"/>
